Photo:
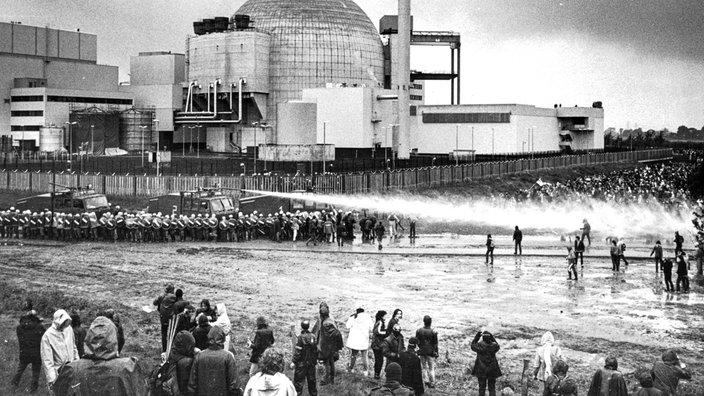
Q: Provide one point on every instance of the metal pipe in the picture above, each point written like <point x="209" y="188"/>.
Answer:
<point x="386" y="97"/>
<point x="183" y="118"/>
<point x="190" y="92"/>
<point x="208" y="96"/>
<point x="215" y="96"/>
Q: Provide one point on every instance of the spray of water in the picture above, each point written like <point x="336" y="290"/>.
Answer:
<point x="611" y="218"/>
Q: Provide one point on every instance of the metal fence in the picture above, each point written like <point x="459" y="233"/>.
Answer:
<point x="348" y="183"/>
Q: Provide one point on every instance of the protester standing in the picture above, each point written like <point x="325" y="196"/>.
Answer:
<point x="395" y="318"/>
<point x="647" y="387"/>
<point x="329" y="343"/>
<point x="517" y="239"/>
<point x="165" y="306"/>
<point x="667" y="271"/>
<point x="411" y="371"/>
<point x="393" y="345"/>
<point x="213" y="371"/>
<point x="668" y="373"/>
<point x="489" y="248"/>
<point x="608" y="381"/>
<point x="682" y="273"/>
<point x="223" y="322"/>
<point x="579" y="249"/>
<point x="657" y="251"/>
<point x="586" y="230"/>
<point x="305" y="357"/>
<point x="58" y="346"/>
<point x="545" y="357"/>
<point x="360" y="325"/>
<point x="378" y="336"/>
<point x="571" y="264"/>
<point x="29" y="336"/>
<point x="200" y="332"/>
<point x="486" y="366"/>
<point x="679" y="240"/>
<point x="615" y="256"/>
<point x="392" y="385"/>
<point x="428" y="350"/>
<point x="270" y="381"/>
<point x="263" y="339"/>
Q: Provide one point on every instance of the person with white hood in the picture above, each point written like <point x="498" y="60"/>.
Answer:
<point x="58" y="346"/>
<point x="546" y="356"/>
<point x="223" y="321"/>
<point x="270" y="381"/>
<point x="360" y="325"/>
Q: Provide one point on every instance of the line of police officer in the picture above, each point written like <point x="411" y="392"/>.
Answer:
<point x="149" y="227"/>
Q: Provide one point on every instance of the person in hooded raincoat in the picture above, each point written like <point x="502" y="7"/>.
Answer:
<point x="486" y="366"/>
<point x="182" y="354"/>
<point x="360" y="325"/>
<point x="58" y="346"/>
<point x="270" y="381"/>
<point x="223" y="322"/>
<point x="101" y="371"/>
<point x="29" y="335"/>
<point x="668" y="372"/>
<point x="546" y="356"/>
<point x="214" y="372"/>
<point x="608" y="381"/>
<point x="329" y="342"/>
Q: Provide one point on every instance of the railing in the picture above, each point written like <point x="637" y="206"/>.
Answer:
<point x="347" y="183"/>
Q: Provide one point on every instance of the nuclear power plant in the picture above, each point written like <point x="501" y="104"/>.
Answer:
<point x="291" y="80"/>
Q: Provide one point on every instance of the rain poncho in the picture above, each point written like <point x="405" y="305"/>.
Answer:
<point x="101" y="371"/>
<point x="360" y="326"/>
<point x="546" y="356"/>
<point x="223" y="322"/>
<point x="58" y="346"/>
<point x="668" y="372"/>
<point x="269" y="385"/>
<point x="214" y="371"/>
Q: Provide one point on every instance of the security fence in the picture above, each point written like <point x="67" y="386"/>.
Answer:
<point x="332" y="183"/>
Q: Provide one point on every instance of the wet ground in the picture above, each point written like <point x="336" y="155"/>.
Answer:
<point x="518" y="297"/>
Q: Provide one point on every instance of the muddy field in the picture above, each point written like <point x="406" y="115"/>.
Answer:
<point x="627" y="315"/>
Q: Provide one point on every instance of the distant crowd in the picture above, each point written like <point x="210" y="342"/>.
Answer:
<point x="199" y="358"/>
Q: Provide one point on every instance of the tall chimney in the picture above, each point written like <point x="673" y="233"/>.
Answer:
<point x="403" y="78"/>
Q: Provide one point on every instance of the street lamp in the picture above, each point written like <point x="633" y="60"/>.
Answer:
<point x="143" y="128"/>
<point x="70" y="165"/>
<point x="325" y="124"/>
<point x="157" y="147"/>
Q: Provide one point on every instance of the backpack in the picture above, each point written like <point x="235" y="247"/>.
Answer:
<point x="159" y="378"/>
<point x="166" y="308"/>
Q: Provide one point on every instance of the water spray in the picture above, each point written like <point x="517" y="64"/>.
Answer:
<point x="616" y="219"/>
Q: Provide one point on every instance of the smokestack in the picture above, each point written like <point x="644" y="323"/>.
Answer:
<point x="403" y="78"/>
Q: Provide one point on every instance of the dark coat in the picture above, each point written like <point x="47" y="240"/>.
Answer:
<point x="411" y="372"/>
<point x="263" y="339"/>
<point x="392" y="347"/>
<point x="29" y="336"/>
<point x="214" y="372"/>
<point x="182" y="358"/>
<point x="486" y="365"/>
<point x="391" y="388"/>
<point x="200" y="334"/>
<point x="427" y="342"/>
<point x="329" y="339"/>
<point x="606" y="382"/>
<point x="306" y="352"/>
<point x="79" y="333"/>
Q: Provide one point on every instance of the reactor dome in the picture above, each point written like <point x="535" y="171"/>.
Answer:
<point x="314" y="42"/>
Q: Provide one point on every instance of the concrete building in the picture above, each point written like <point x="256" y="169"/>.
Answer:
<point x="44" y="73"/>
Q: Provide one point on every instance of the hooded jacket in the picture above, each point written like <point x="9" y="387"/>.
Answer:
<point x="101" y="371"/>
<point x="213" y="372"/>
<point x="668" y="372"/>
<point x="546" y="356"/>
<point x="269" y="385"/>
<point x="328" y="335"/>
<point x="182" y="357"/>
<point x="608" y="381"/>
<point x="223" y="322"/>
<point x="486" y="365"/>
<point x="29" y="336"/>
<point x="57" y="346"/>
<point x="360" y="326"/>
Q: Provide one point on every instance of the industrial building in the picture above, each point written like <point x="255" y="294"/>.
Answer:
<point x="301" y="80"/>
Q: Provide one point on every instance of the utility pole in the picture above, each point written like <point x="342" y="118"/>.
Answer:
<point x="325" y="124"/>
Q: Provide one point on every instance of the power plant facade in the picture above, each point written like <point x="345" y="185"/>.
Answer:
<point x="293" y="76"/>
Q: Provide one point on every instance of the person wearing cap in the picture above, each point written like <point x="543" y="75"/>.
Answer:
<point x="668" y="372"/>
<point x="608" y="381"/>
<point x="393" y="345"/>
<point x="29" y="336"/>
<point x="329" y="342"/>
<point x="263" y="339"/>
<point x="486" y="366"/>
<point x="647" y="388"/>
<point x="428" y="350"/>
<point x="214" y="371"/>
<point x="412" y="373"/>
<point x="58" y="346"/>
<point x="101" y="371"/>
<point x="360" y="325"/>
<point x="305" y="357"/>
<point x="393" y="385"/>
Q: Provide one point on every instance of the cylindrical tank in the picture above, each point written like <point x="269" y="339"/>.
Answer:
<point x="198" y="28"/>
<point x="221" y="24"/>
<point x="132" y="136"/>
<point x="209" y="25"/>
<point x="241" y="21"/>
<point x="51" y="139"/>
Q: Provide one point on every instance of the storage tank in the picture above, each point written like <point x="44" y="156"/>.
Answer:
<point x="221" y="24"/>
<point x="132" y="137"/>
<point x="209" y="25"/>
<point x="51" y="139"/>
<point x="198" y="27"/>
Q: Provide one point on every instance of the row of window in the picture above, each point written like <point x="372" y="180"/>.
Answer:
<point x="79" y="99"/>
<point x="26" y="128"/>
<point x="32" y="98"/>
<point x="416" y="97"/>
<point x="27" y="113"/>
<point x="466" y="118"/>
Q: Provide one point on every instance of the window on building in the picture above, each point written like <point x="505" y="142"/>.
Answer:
<point x="32" y="98"/>
<point x="27" y="113"/>
<point x="416" y="97"/>
<point x="466" y="118"/>
<point x="26" y="128"/>
<point x="84" y="99"/>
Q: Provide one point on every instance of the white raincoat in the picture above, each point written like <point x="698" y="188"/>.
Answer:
<point x="57" y="346"/>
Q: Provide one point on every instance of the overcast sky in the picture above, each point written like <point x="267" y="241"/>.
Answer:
<point x="642" y="58"/>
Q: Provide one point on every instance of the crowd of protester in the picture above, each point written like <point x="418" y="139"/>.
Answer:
<point x="666" y="183"/>
<point x="199" y="359"/>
